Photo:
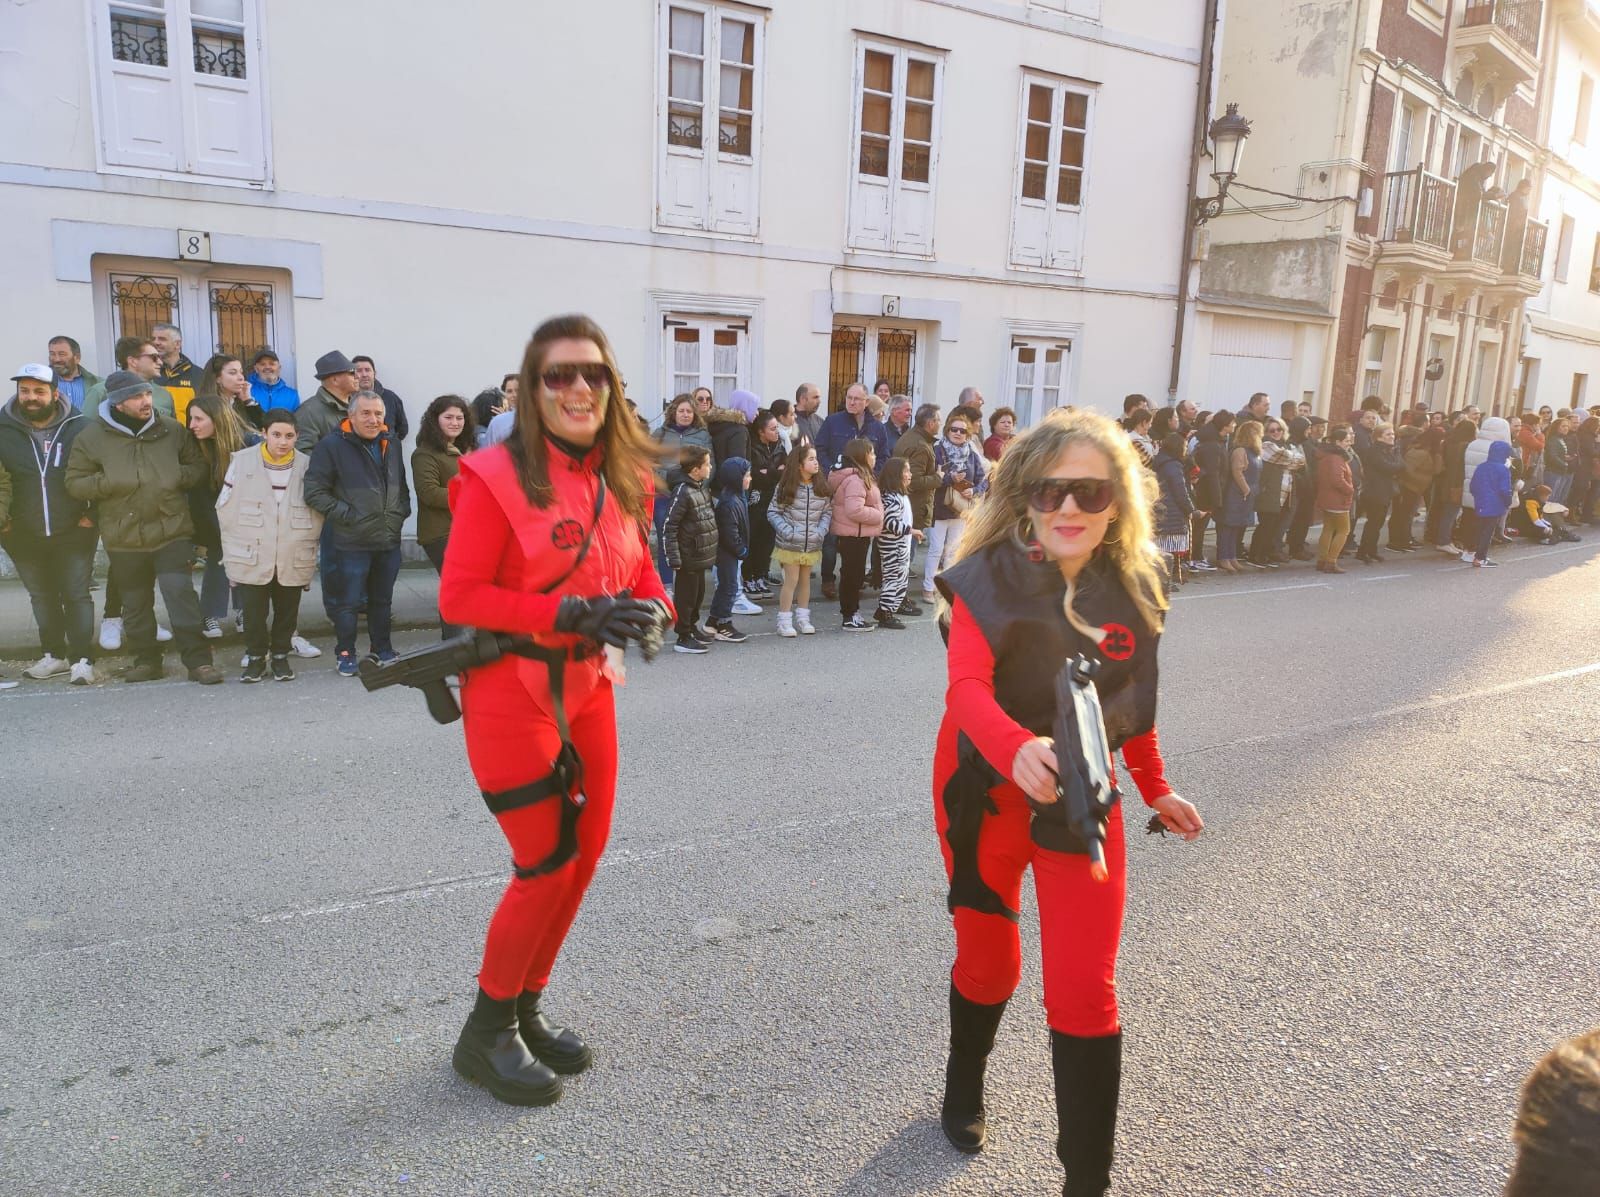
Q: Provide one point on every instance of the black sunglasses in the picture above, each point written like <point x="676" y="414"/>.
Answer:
<point x="1092" y="495"/>
<point x="560" y="377"/>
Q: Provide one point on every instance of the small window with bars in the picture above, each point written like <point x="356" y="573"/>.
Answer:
<point x="218" y="27"/>
<point x="241" y="318"/>
<point x="139" y="33"/>
<point x="139" y="302"/>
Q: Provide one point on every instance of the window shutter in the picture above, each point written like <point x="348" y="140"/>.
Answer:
<point x="140" y="120"/>
<point x="731" y="146"/>
<point x="915" y="154"/>
<point x="683" y="181"/>
<point x="222" y="71"/>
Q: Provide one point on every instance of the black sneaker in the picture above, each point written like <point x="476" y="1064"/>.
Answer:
<point x="688" y="644"/>
<point x="885" y="618"/>
<point x="255" y="670"/>
<point x="728" y="634"/>
<point x="702" y="635"/>
<point x="281" y="671"/>
<point x="909" y="608"/>
<point x="856" y="624"/>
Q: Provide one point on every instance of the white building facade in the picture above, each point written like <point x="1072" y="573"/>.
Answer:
<point x="1561" y="349"/>
<point x="936" y="192"/>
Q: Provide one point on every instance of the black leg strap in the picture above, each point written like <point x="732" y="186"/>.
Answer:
<point x="966" y="802"/>
<point x="565" y="779"/>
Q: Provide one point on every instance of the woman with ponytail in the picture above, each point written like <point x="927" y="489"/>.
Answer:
<point x="1057" y="560"/>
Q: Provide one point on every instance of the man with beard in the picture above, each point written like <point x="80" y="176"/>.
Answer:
<point x="178" y="374"/>
<point x="48" y="533"/>
<point x="72" y="380"/>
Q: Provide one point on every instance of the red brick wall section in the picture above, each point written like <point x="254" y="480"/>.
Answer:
<point x="1520" y="117"/>
<point x="1352" y="333"/>
<point x="1376" y="154"/>
<point x="1400" y="35"/>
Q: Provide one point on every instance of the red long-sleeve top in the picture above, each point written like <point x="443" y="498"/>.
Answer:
<point x="970" y="701"/>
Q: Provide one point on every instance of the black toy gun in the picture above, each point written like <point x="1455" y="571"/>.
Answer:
<point x="1086" y="781"/>
<point x="429" y="668"/>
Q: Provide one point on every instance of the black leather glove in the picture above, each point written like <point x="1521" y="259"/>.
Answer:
<point x="605" y="619"/>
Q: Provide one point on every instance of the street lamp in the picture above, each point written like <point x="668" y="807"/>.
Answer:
<point x="1228" y="133"/>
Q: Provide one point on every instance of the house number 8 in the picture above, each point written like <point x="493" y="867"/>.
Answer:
<point x="194" y="244"/>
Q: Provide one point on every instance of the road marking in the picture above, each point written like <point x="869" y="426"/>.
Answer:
<point x="1385" y="577"/>
<point x="1518" y="560"/>
<point x="1257" y="590"/>
<point x="1411" y="708"/>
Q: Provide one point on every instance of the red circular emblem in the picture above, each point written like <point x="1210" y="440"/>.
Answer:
<point x="1118" y="644"/>
<point x="568" y="534"/>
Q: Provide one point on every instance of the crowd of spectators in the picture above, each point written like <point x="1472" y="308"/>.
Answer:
<point x="225" y="468"/>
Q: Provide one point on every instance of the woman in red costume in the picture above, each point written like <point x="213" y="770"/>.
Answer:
<point x="547" y="542"/>
<point x="1057" y="560"/>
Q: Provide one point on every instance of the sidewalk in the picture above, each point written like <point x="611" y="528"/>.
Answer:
<point x="416" y="595"/>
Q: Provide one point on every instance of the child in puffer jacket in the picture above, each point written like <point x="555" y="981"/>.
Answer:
<point x="1491" y="497"/>
<point x="800" y="514"/>
<point x="691" y="543"/>
<point x="733" y="543"/>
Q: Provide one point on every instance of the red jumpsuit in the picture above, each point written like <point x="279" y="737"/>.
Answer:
<point x="1080" y="920"/>
<point x="503" y="551"/>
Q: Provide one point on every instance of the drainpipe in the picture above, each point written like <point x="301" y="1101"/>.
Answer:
<point x="1202" y="113"/>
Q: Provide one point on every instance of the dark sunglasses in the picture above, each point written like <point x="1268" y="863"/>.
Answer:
<point x="956" y="430"/>
<point x="1092" y="495"/>
<point x="596" y="375"/>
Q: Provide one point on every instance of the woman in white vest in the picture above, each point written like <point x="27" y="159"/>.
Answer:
<point x="269" y="542"/>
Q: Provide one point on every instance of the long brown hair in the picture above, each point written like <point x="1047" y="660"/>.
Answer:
<point x="855" y="458"/>
<point x="627" y="455"/>
<point x="208" y="384"/>
<point x="789" y="485"/>
<point x="226" y="439"/>
<point x="1029" y="457"/>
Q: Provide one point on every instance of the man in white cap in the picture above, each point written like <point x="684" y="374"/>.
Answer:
<point x="48" y="534"/>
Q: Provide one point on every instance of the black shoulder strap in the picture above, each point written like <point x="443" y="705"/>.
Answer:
<point x="588" y="536"/>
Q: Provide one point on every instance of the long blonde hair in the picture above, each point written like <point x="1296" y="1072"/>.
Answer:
<point x="1003" y="512"/>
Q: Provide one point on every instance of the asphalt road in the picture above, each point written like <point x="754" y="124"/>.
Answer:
<point x="243" y="922"/>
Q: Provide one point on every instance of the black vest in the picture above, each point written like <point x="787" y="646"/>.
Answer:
<point x="1017" y="604"/>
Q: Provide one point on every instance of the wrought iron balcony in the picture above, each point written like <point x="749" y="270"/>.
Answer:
<point x="1502" y="38"/>
<point x="1417" y="207"/>
<point x="1532" y="261"/>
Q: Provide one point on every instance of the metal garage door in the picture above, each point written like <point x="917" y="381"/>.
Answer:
<point x="1248" y="356"/>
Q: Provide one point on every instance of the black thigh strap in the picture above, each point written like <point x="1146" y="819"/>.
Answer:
<point x="966" y="802"/>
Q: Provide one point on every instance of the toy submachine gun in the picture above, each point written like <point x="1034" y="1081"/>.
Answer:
<point x="1086" y="781"/>
<point x="429" y="668"/>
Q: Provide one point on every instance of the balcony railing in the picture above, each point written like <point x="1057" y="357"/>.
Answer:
<point x="1518" y="18"/>
<point x="1417" y="207"/>
<point x="1490" y="233"/>
<point x="1532" y="262"/>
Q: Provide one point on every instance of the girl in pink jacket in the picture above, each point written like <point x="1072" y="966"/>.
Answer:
<point x="857" y="518"/>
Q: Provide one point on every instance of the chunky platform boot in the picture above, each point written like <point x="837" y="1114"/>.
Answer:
<point x="1088" y="1081"/>
<point x="972" y="1029"/>
<point x="559" y="1049"/>
<point x="491" y="1053"/>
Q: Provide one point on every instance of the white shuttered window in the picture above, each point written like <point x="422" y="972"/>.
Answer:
<point x="1038" y="378"/>
<point x="706" y="351"/>
<point x="1053" y="155"/>
<point x="898" y="109"/>
<point x="708" y="132"/>
<point x="180" y="86"/>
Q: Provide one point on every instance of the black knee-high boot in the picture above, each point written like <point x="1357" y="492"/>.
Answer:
<point x="972" y="1028"/>
<point x="1088" y="1079"/>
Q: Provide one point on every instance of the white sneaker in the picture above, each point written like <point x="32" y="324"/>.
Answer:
<point x="743" y="606"/>
<point x="786" y="624"/>
<point x="82" y="672"/>
<point x="802" y="621"/>
<point x="111" y="633"/>
<point x="163" y="634"/>
<point x="9" y="685"/>
<point x="303" y="647"/>
<point x="212" y="630"/>
<point x="1467" y="557"/>
<point x="46" y="667"/>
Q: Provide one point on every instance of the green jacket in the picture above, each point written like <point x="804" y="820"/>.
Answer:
<point x="316" y="417"/>
<point x="96" y="395"/>
<point x="431" y="472"/>
<point x="137" y="481"/>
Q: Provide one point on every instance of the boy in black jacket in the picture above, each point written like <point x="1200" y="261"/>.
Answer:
<point x="690" y="539"/>
<point x="733" y="542"/>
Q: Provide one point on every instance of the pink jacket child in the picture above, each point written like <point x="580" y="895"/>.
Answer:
<point x="857" y="505"/>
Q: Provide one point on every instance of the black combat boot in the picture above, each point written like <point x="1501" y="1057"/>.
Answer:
<point x="972" y="1029"/>
<point x="1088" y="1079"/>
<point x="558" y="1048"/>
<point x="491" y="1053"/>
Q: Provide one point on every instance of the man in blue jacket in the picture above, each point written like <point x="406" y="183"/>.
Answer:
<point x="49" y="534"/>
<point x="837" y="431"/>
<point x="357" y="481"/>
<point x="267" y="383"/>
